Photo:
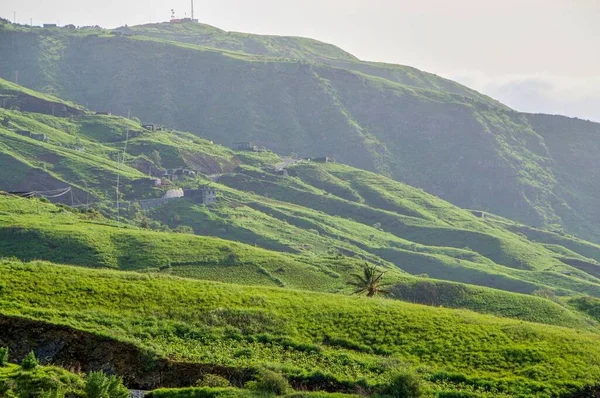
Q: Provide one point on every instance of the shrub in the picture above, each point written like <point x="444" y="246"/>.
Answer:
<point x="3" y="356"/>
<point x="268" y="381"/>
<point x="30" y="362"/>
<point x="184" y="229"/>
<point x="403" y="385"/>
<point x="99" y="385"/>
<point x="210" y="380"/>
<point x="56" y="393"/>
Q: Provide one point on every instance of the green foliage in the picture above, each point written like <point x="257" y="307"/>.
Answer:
<point x="30" y="362"/>
<point x="370" y="282"/>
<point x="3" y="356"/>
<point x="545" y="167"/>
<point x="47" y="382"/>
<point x="350" y="338"/>
<point x="269" y="382"/>
<point x="403" y="385"/>
<point x="99" y="385"/>
<point x="211" y="380"/>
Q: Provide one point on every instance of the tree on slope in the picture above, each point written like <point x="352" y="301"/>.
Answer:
<point x="370" y="282"/>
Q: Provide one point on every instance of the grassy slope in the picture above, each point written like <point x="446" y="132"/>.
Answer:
<point x="377" y="117"/>
<point x="324" y="215"/>
<point x="346" y="338"/>
<point x="296" y="48"/>
<point x="55" y="234"/>
<point x="399" y="224"/>
<point x="34" y="383"/>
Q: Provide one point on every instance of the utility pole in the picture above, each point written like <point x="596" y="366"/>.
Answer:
<point x="16" y="77"/>
<point x="15" y="17"/>
<point x="87" y="195"/>
<point x="192" y="10"/>
<point x="119" y="176"/>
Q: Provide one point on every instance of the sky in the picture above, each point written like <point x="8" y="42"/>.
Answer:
<point x="533" y="55"/>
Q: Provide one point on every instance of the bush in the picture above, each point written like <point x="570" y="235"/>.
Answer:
<point x="56" y="393"/>
<point x="210" y="380"/>
<point x="99" y="385"/>
<point x="403" y="385"/>
<point x="268" y="381"/>
<point x="30" y="362"/>
<point x="3" y="356"/>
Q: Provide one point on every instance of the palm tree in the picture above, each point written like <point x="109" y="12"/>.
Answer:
<point x="369" y="282"/>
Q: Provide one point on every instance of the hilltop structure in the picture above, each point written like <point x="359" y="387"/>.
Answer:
<point x="205" y="195"/>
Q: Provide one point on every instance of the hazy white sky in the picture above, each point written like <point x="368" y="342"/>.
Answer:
<point x="533" y="55"/>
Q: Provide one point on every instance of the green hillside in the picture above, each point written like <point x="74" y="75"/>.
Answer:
<point x="115" y="276"/>
<point x="317" y="341"/>
<point x="308" y="230"/>
<point x="301" y="96"/>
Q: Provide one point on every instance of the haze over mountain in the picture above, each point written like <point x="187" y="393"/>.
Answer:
<point x="528" y="64"/>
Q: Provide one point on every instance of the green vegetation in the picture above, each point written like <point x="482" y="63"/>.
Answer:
<point x="314" y="339"/>
<point x="321" y="101"/>
<point x="213" y="381"/>
<point x="202" y="305"/>
<point x="99" y="385"/>
<point x="3" y="356"/>
<point x="269" y="382"/>
<point x="30" y="362"/>
<point x="46" y="382"/>
<point x="403" y="385"/>
<point x="370" y="282"/>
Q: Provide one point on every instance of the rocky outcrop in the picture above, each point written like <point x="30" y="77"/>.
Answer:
<point x="84" y="351"/>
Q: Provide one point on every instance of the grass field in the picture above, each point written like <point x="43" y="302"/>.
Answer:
<point x="307" y="336"/>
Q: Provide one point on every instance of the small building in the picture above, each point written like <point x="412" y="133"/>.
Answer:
<point x="280" y="172"/>
<point x="174" y="194"/>
<point x="50" y="25"/>
<point x="183" y="20"/>
<point x="39" y="137"/>
<point x="244" y="146"/>
<point x="204" y="195"/>
<point x="27" y="133"/>
<point x="150" y="127"/>
<point x="104" y="113"/>
<point x="478" y="213"/>
<point x="323" y="159"/>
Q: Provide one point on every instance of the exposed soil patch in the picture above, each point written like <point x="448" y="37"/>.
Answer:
<point x="76" y="349"/>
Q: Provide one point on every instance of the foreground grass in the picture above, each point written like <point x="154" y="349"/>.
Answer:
<point x="306" y="335"/>
<point x="16" y="382"/>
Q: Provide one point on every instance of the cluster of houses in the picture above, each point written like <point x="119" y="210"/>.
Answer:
<point x="244" y="146"/>
<point x="323" y="159"/>
<point x="152" y="127"/>
<point x="178" y="174"/>
<point x="204" y="195"/>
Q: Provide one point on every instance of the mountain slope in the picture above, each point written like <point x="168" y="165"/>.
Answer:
<point x="318" y="341"/>
<point x="414" y="127"/>
<point x="319" y="212"/>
